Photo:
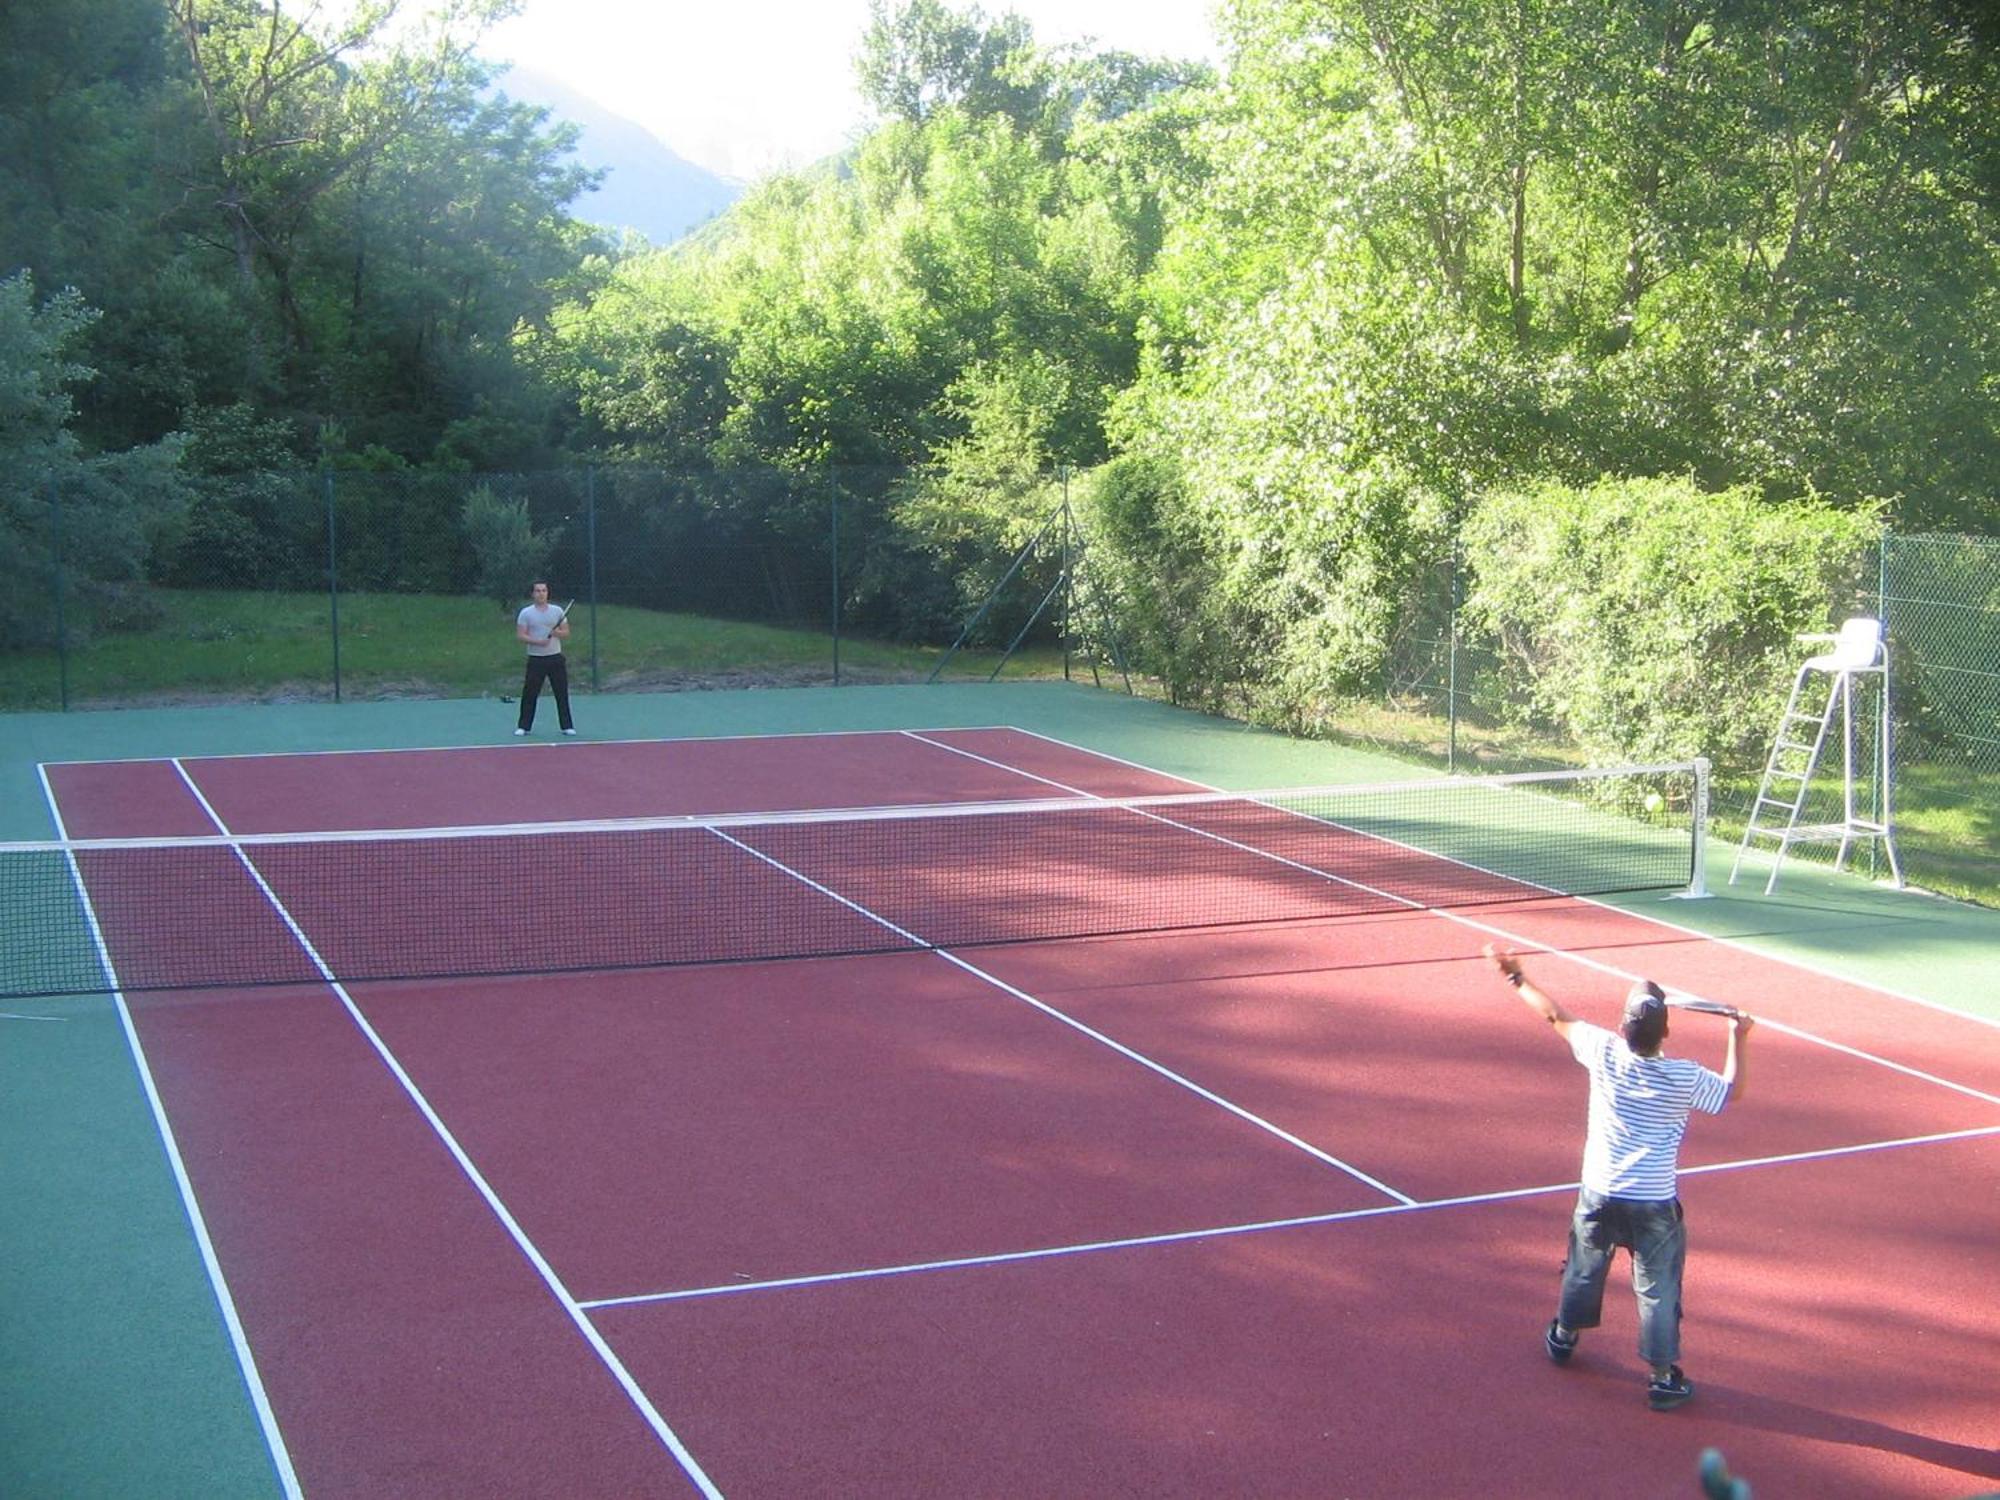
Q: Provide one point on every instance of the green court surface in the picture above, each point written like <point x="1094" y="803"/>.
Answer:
<point x="117" y="1373"/>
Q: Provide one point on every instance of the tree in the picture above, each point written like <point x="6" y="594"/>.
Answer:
<point x="289" y="115"/>
<point x="508" y="548"/>
<point x="1438" y="248"/>
<point x="74" y="528"/>
<point x="920" y="56"/>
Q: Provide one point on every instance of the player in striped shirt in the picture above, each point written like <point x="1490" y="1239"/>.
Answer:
<point x="1639" y="1105"/>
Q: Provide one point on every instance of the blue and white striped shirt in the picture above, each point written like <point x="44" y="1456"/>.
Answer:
<point x="1638" y="1114"/>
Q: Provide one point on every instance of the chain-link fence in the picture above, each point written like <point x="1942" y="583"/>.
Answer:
<point x="334" y="585"/>
<point x="1940" y="600"/>
<point x="343" y="584"/>
<point x="1455" y="698"/>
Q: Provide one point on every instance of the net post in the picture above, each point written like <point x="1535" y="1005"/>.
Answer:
<point x="1698" y="875"/>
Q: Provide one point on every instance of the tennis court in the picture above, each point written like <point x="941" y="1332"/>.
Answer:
<point x="965" y="1112"/>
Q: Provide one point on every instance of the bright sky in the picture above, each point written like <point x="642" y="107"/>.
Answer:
<point x="745" y="86"/>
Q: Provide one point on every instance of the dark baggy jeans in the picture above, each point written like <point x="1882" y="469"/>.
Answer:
<point x="1656" y="1236"/>
<point x="556" y="670"/>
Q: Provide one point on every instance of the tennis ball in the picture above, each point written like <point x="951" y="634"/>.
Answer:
<point x="1654" y="802"/>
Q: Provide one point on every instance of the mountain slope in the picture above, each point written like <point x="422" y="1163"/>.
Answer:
<point x="648" y="187"/>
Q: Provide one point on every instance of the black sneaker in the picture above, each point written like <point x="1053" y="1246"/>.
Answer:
<point x="1560" y="1348"/>
<point x="1669" y="1390"/>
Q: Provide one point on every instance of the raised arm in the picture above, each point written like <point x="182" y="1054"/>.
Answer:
<point x="1545" y="1006"/>
<point x="1736" y="1064"/>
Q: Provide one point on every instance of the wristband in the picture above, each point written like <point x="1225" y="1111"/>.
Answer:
<point x="1517" y="979"/>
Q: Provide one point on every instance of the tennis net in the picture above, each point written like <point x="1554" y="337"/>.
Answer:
<point x="211" y="912"/>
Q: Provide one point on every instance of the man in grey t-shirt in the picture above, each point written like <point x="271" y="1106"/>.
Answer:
<point x="1630" y="1196"/>
<point x="542" y="627"/>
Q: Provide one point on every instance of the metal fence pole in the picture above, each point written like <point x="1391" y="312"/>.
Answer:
<point x="833" y="560"/>
<point x="1451" y="664"/>
<point x="332" y="576"/>
<point x="1068" y="563"/>
<point x="56" y="562"/>
<point x="1886" y="731"/>
<point x="590" y="529"/>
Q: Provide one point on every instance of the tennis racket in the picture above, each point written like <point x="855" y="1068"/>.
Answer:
<point x="565" y="615"/>
<point x="1707" y="1007"/>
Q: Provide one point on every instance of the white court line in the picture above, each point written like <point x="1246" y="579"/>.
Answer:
<point x="507" y="744"/>
<point x="1489" y="928"/>
<point x="1262" y="1226"/>
<point x="246" y="1362"/>
<point x="1049" y="1010"/>
<point x="1223" y="839"/>
<point x="922" y="737"/>
<point x="534" y="1256"/>
<point x="1582" y="960"/>
<point x="1739" y="944"/>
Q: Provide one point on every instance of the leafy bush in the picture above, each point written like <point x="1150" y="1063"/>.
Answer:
<point x="69" y="521"/>
<point x="1654" y="621"/>
<point x="510" y="551"/>
<point x="1151" y="562"/>
<point x="956" y="526"/>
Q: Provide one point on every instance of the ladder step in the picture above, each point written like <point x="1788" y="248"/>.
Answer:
<point x="1819" y="833"/>
<point x="1793" y="745"/>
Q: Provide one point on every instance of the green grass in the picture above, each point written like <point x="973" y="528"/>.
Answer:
<point x="222" y="646"/>
<point x="1947" y="817"/>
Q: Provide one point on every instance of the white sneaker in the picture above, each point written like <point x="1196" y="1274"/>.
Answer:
<point x="520" y="731"/>
<point x="570" y="732"/>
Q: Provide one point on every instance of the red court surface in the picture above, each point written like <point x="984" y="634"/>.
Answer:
<point x="564" y="782"/>
<point x="1264" y="1211"/>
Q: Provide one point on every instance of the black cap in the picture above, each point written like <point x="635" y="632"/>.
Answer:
<point x="1645" y="1021"/>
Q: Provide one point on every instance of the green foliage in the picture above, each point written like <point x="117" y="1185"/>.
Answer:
<point x="1153" y="565"/>
<point x="103" y="514"/>
<point x="1410" y="254"/>
<point x="961" y="301"/>
<point x="294" y="207"/>
<point x="254" y="520"/>
<point x="1517" y="238"/>
<point x="956" y="526"/>
<point x="920" y="56"/>
<point x="511" y="553"/>
<point x="1652" y="620"/>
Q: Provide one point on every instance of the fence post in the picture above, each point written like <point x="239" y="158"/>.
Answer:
<point x="1886" y="771"/>
<point x="1451" y="662"/>
<point x="833" y="565"/>
<point x="332" y="575"/>
<point x="1068" y="562"/>
<point x="56" y="562"/>
<point x="590" y="531"/>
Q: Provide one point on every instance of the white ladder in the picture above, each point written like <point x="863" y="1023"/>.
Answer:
<point x="1858" y="652"/>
